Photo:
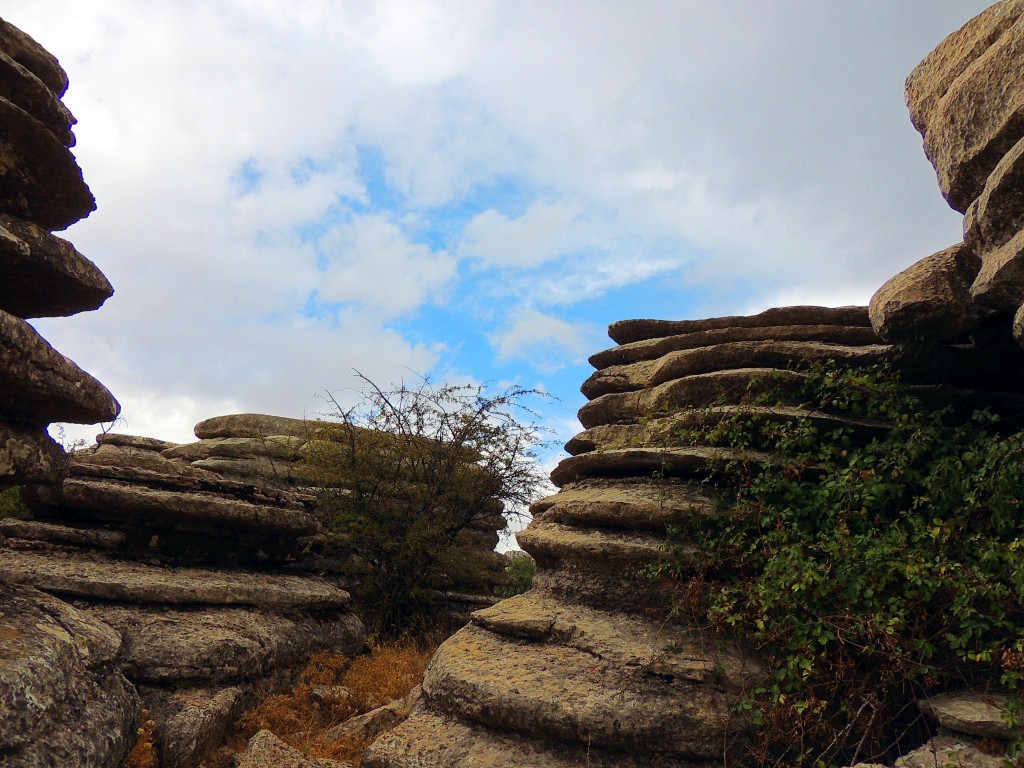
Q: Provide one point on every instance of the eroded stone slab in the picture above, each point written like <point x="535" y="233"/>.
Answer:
<point x="31" y="55"/>
<point x="41" y="386"/>
<point x="92" y="576"/>
<point x="253" y="425"/>
<point x="29" y="455"/>
<point x="628" y="331"/>
<point x="24" y="89"/>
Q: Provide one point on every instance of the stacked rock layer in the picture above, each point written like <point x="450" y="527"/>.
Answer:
<point x="584" y="670"/>
<point x="272" y="450"/>
<point x="191" y="569"/>
<point x="966" y="98"/>
<point x="62" y="699"/>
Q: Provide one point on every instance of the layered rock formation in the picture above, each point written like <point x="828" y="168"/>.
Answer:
<point x="62" y="699"/>
<point x="585" y="669"/>
<point x="967" y="100"/>
<point x="191" y="568"/>
<point x="272" y="450"/>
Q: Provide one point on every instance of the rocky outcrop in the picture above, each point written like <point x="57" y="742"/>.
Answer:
<point x="63" y="699"/>
<point x="195" y="571"/>
<point x="585" y="669"/>
<point x="967" y="100"/>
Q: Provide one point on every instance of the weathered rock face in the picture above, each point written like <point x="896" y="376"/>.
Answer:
<point x="967" y="100"/>
<point x="578" y="671"/>
<point x="194" y="570"/>
<point x="63" y="700"/>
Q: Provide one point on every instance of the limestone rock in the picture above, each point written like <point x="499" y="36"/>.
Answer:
<point x="221" y="645"/>
<point x="265" y="750"/>
<point x="371" y="724"/>
<point x="651" y="349"/>
<point x="34" y="530"/>
<point x="22" y="88"/>
<point x="183" y="510"/>
<point x="41" y="386"/>
<point x="689" y="461"/>
<point x="253" y="425"/>
<point x="192" y="721"/>
<point x="930" y="299"/>
<point x="628" y="331"/>
<point x="134" y="441"/>
<point x="932" y="78"/>
<point x="40" y="180"/>
<point x="978" y="119"/>
<point x="29" y="455"/>
<point x="31" y="55"/>
<point x="972" y="713"/>
<point x="92" y="576"/>
<point x="61" y="702"/>
<point x="942" y="751"/>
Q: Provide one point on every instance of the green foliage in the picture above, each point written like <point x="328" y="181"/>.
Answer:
<point x="868" y="567"/>
<point x="11" y="504"/>
<point x="404" y="473"/>
<point x="519" y="572"/>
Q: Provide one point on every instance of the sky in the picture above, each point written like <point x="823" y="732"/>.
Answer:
<point x="470" y="190"/>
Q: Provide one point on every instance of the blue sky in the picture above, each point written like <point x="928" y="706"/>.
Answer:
<point x="471" y="190"/>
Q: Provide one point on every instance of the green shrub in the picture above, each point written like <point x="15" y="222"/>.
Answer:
<point x="404" y="473"/>
<point x="868" y="571"/>
<point x="519" y="572"/>
<point x="11" y="504"/>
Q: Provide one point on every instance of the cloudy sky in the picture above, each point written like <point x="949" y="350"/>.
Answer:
<point x="471" y="189"/>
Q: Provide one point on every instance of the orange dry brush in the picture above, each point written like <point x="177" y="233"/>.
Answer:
<point x="143" y="754"/>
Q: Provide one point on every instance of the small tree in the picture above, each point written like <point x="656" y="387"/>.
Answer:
<point x="408" y="469"/>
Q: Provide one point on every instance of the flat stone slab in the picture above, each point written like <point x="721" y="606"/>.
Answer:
<point x="41" y="181"/>
<point x="563" y="693"/>
<point x="42" y="386"/>
<point x="112" y="499"/>
<point x="628" y="331"/>
<point x="29" y="455"/>
<point x="190" y="647"/>
<point x="700" y="391"/>
<point x="134" y="441"/>
<point x="254" y="425"/>
<point x="644" y="504"/>
<point x="973" y="713"/>
<point x="689" y="461"/>
<point x="91" y="576"/>
<point x="61" y="700"/>
<point x="35" y="530"/>
<point x="265" y="750"/>
<point x="652" y="349"/>
<point x="551" y="544"/>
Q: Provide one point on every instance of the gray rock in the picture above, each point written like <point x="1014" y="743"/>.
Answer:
<point x="29" y="455"/>
<point x="690" y="461"/>
<point x="93" y="576"/>
<point x="373" y="723"/>
<point x="192" y="721"/>
<point x="628" y="331"/>
<point x="929" y="300"/>
<point x="222" y="645"/>
<point x="24" y="89"/>
<point x="34" y="530"/>
<point x="651" y="349"/>
<point x="41" y="179"/>
<point x="945" y="751"/>
<point x="265" y="750"/>
<point x="253" y="425"/>
<point x="41" y="386"/>
<point x="973" y="713"/>
<point x="978" y="119"/>
<point x="134" y="441"/>
<point x="61" y="700"/>
<point x="31" y="55"/>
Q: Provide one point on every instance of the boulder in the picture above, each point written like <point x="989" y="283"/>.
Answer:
<point x="265" y="750"/>
<point x="62" y="702"/>
<point x="978" y="119"/>
<point x="943" y="751"/>
<point x="373" y="723"/>
<point x="627" y="331"/>
<point x="998" y="214"/>
<point x="41" y="386"/>
<point x="40" y="181"/>
<point x="932" y="78"/>
<point x="973" y="713"/>
<point x="192" y="721"/>
<point x="1000" y="281"/>
<point x="29" y="455"/>
<point x="931" y="299"/>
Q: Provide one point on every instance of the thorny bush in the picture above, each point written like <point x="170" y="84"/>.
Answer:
<point x="870" y="567"/>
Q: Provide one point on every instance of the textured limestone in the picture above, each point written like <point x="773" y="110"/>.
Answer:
<point x="253" y="425"/>
<point x="973" y="713"/>
<point x="33" y="530"/>
<point x="29" y="455"/>
<point x="265" y="750"/>
<point x="40" y="385"/>
<point x="31" y="55"/>
<point x="930" y="299"/>
<point x="24" y="89"/>
<point x="39" y="178"/>
<point x="95" y="576"/>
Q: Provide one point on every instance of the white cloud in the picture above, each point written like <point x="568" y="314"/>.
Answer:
<point x="546" y="341"/>
<point x="544" y="232"/>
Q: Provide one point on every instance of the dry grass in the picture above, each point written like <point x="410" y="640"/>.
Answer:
<point x="388" y="672"/>
<point x="143" y="754"/>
